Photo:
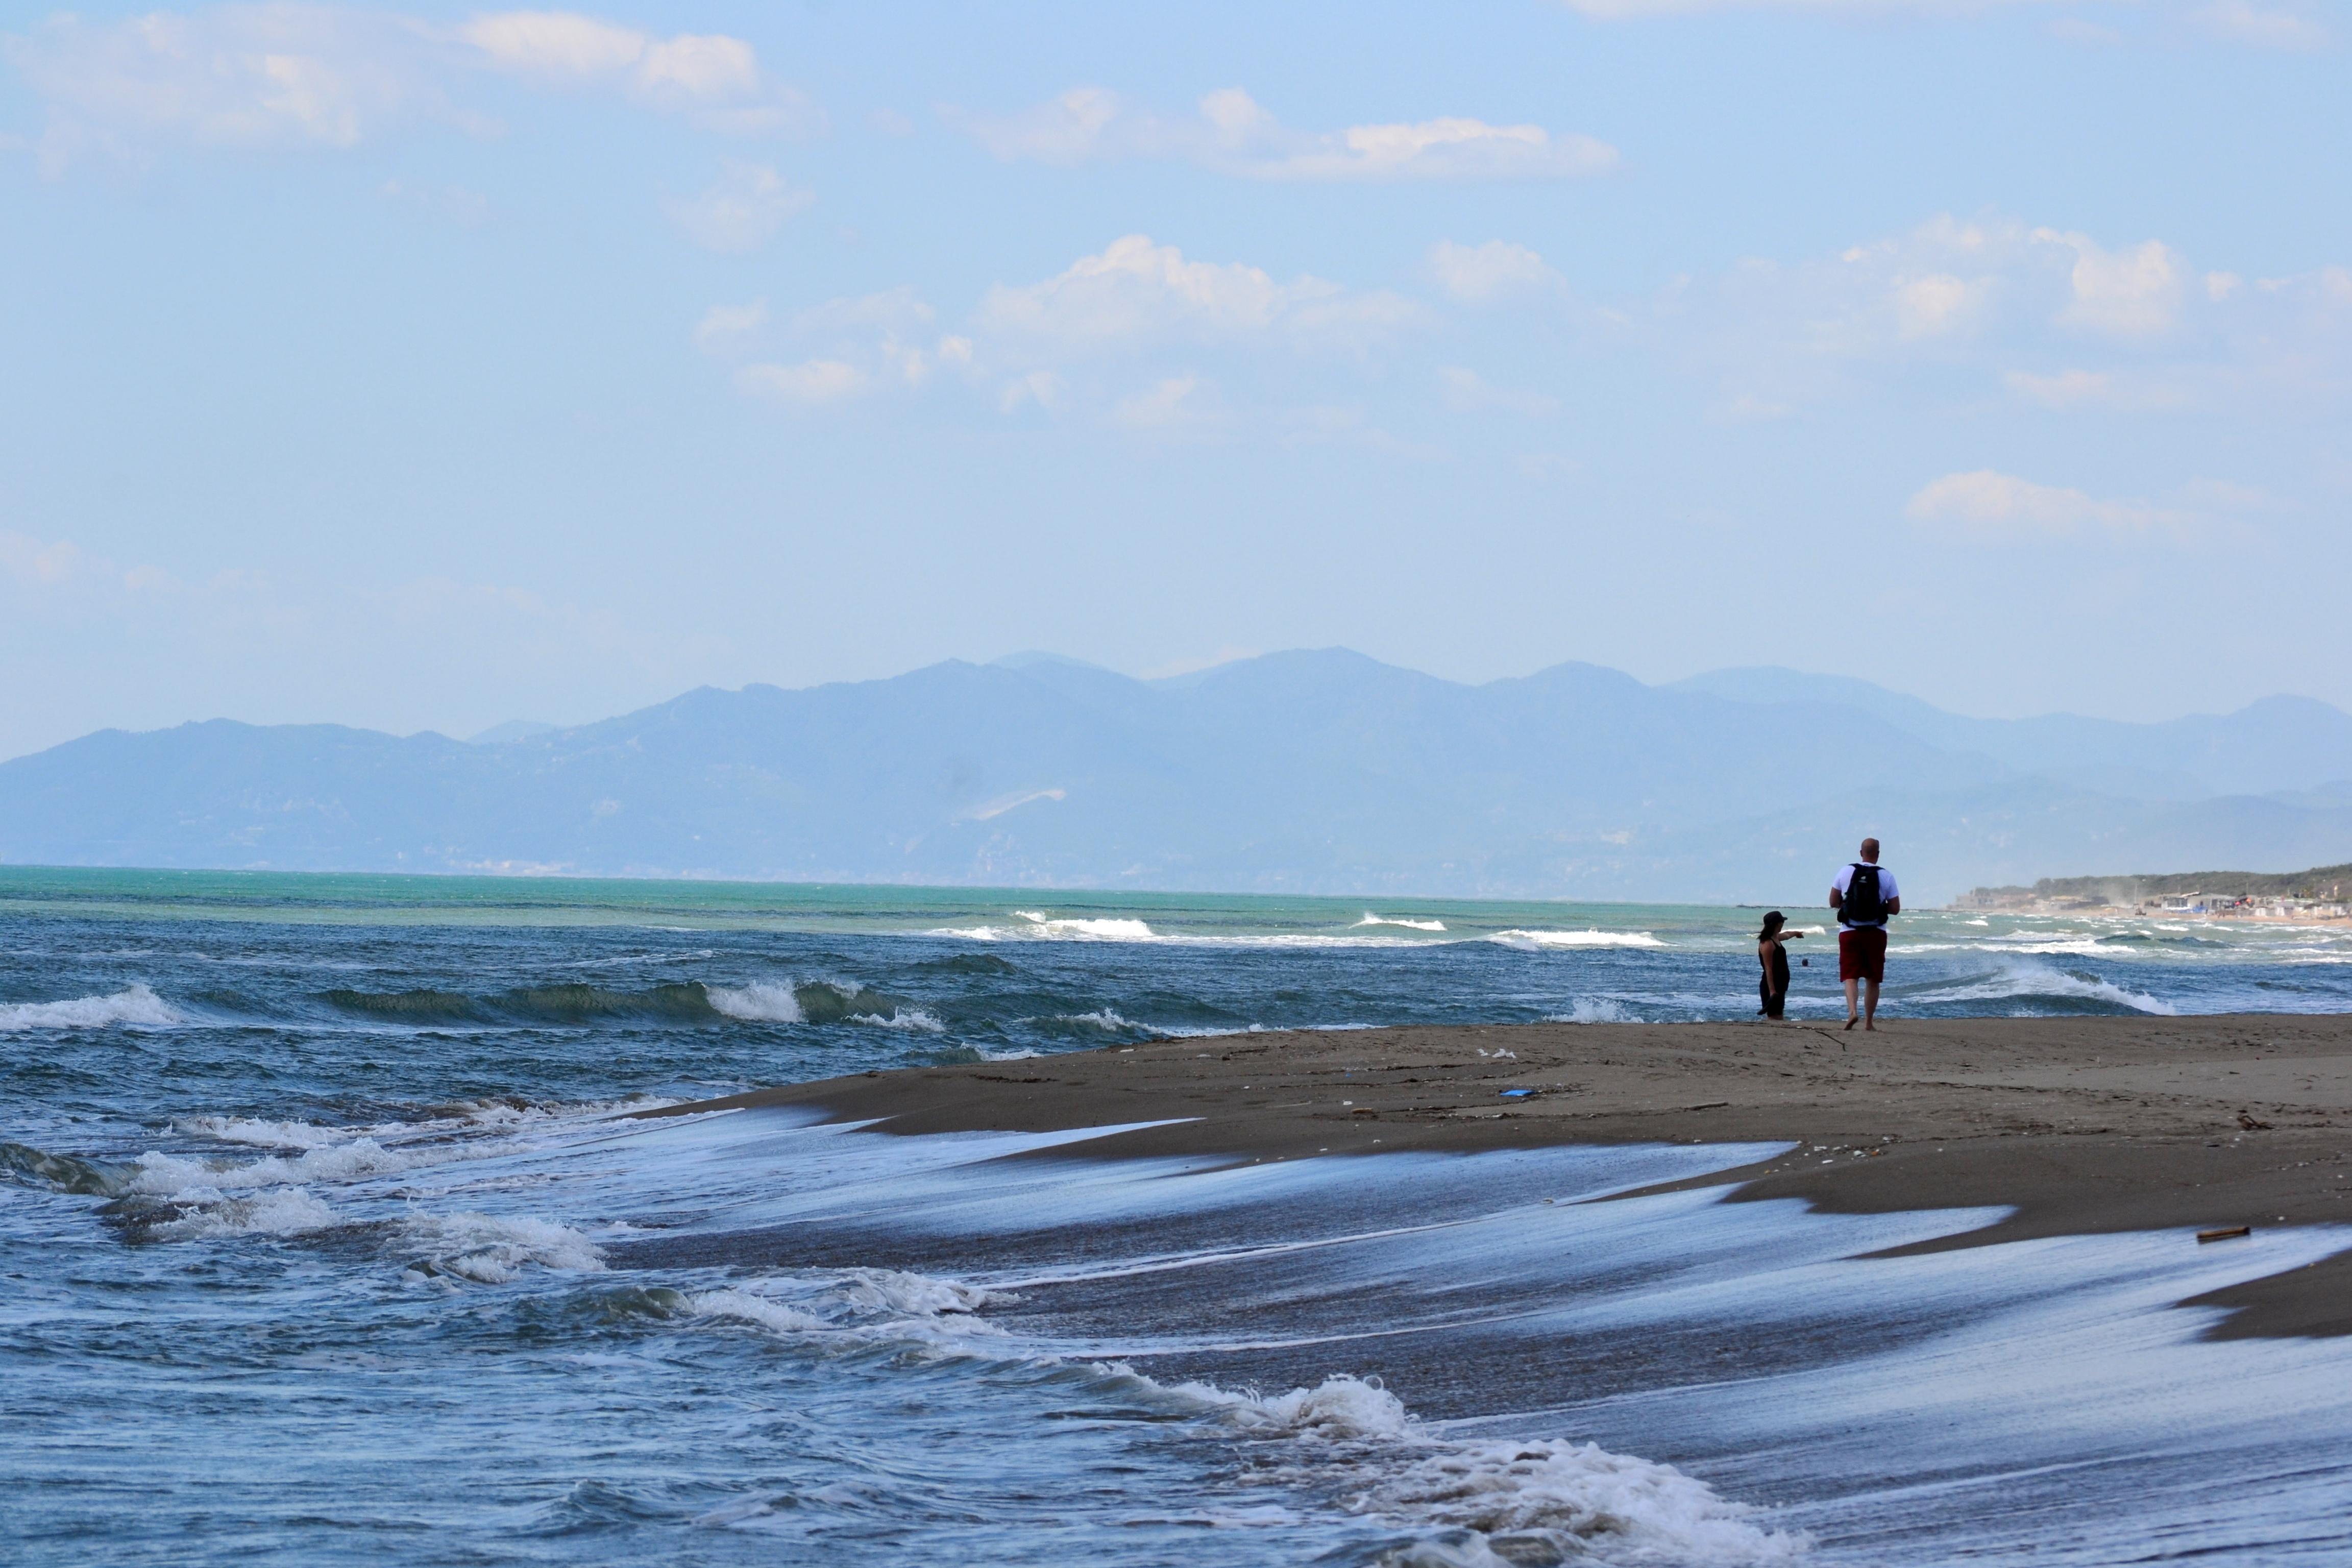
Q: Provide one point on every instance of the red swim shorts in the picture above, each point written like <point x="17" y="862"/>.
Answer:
<point x="1862" y="953"/>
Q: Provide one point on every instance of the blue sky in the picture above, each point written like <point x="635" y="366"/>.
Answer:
<point x="430" y="366"/>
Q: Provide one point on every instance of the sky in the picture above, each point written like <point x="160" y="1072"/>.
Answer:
<point x="430" y="367"/>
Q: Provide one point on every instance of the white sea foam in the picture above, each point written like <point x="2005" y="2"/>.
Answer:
<point x="168" y="1176"/>
<point x="899" y="1294"/>
<point x="261" y="1132"/>
<point x="1373" y="920"/>
<point x="1547" y="941"/>
<point x="1592" y="1010"/>
<point x="134" y="1006"/>
<point x="287" y="1211"/>
<point x="1100" y="1019"/>
<point x="492" y="1249"/>
<point x="1091" y="929"/>
<point x="758" y="1003"/>
<point x="1561" y="1498"/>
<point x="913" y="1018"/>
<point x="2017" y="980"/>
<point x="1575" y="1499"/>
<point x="861" y="1305"/>
<point x="748" y="1307"/>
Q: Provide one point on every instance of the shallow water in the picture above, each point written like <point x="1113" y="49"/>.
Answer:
<point x="321" y="1242"/>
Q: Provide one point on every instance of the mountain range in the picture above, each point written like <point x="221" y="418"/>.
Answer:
<point x="1317" y="771"/>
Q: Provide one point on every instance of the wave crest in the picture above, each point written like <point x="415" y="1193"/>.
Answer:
<point x="1556" y="941"/>
<point x="134" y="1006"/>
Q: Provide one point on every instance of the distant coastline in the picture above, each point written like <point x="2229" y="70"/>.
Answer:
<point x="2319" y="894"/>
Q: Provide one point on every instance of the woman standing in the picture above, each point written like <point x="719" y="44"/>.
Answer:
<point x="1774" y="987"/>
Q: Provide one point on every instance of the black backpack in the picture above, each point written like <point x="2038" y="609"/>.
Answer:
<point x="1863" y="905"/>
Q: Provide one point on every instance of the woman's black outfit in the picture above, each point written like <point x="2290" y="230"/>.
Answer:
<point x="1774" y="987"/>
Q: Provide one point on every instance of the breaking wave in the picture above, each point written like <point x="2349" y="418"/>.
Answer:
<point x="493" y="1249"/>
<point x="134" y="1006"/>
<point x="285" y="1210"/>
<point x="1481" y="1501"/>
<point x="1038" y="926"/>
<point x="2028" y="982"/>
<point x="1593" y="1010"/>
<point x="1553" y="941"/>
<point x="758" y="1003"/>
<point x="1093" y="930"/>
<point x="1373" y="920"/>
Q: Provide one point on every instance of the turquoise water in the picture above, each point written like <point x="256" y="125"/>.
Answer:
<point x="321" y="1242"/>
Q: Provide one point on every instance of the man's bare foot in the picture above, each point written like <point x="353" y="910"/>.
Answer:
<point x="1849" y="1023"/>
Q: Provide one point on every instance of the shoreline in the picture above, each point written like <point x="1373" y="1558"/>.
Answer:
<point x="2076" y="1124"/>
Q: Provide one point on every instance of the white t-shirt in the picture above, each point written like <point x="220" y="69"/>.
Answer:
<point x="1887" y="894"/>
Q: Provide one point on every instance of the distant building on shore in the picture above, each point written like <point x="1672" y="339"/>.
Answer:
<point x="2318" y="894"/>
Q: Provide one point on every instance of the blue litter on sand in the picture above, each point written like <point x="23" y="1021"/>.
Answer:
<point x="1516" y="1093"/>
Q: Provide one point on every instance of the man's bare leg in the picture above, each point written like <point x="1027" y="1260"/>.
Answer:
<point x="1870" y="1006"/>
<point x="1849" y="1014"/>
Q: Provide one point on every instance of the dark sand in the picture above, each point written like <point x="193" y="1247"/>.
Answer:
<point x="2079" y="1125"/>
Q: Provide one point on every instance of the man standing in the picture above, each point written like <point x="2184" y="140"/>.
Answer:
<point x="1863" y="897"/>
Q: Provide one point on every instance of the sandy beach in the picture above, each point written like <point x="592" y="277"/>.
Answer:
<point x="2078" y="1125"/>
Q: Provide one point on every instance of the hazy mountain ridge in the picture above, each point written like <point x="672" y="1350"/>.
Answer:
<point x="1302" y="772"/>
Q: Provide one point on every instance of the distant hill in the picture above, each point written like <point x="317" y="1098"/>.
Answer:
<point x="2328" y="882"/>
<point x="1304" y="771"/>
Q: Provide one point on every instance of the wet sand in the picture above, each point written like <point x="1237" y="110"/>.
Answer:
<point x="2079" y="1125"/>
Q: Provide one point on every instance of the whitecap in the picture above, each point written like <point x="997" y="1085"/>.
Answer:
<point x="1550" y="1496"/>
<point x="1547" y="940"/>
<point x="1095" y="930"/>
<point x="913" y="1018"/>
<point x="284" y="1212"/>
<point x="1100" y="1019"/>
<point x="492" y="1249"/>
<point x="134" y="1006"/>
<point x="260" y="1131"/>
<point x="761" y="1002"/>
<point x="1593" y="1010"/>
<point x="2023" y="980"/>
<point x="1372" y="920"/>
<point x="168" y="1176"/>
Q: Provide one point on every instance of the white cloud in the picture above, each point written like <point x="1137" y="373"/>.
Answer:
<point x="2265" y="26"/>
<point x="741" y="212"/>
<point x="240" y="77"/>
<point x="726" y="327"/>
<point x="294" y="75"/>
<point x="2134" y="292"/>
<point x="809" y="382"/>
<point x="855" y="347"/>
<point x="2003" y="506"/>
<point x="1466" y="391"/>
<point x="712" y="77"/>
<point x="2053" y="316"/>
<point x="558" y="46"/>
<point x="1231" y="132"/>
<point x="1136" y="294"/>
<point x="1477" y="274"/>
<point x="36" y="563"/>
<point x="1174" y="405"/>
<point x="1936" y="304"/>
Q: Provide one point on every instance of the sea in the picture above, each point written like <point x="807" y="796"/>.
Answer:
<point x="327" y="1237"/>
